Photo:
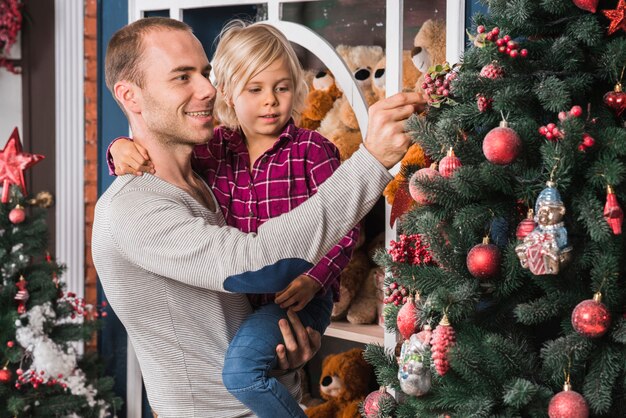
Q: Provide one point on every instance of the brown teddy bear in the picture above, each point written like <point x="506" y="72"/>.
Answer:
<point x="340" y="124"/>
<point x="415" y="156"/>
<point x="429" y="49"/>
<point x="345" y="381"/>
<point x="322" y="95"/>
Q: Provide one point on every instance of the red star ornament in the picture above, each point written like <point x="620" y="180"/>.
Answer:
<point x="13" y="162"/>
<point x="617" y="17"/>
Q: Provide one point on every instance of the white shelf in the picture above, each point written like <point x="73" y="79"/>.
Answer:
<point x="366" y="334"/>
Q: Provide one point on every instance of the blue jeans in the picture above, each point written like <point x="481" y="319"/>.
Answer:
<point x="252" y="354"/>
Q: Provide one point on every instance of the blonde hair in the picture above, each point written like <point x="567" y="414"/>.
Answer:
<point x="244" y="50"/>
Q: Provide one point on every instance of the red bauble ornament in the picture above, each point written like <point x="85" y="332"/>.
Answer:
<point x="483" y="261"/>
<point x="613" y="213"/>
<point x="407" y="319"/>
<point x="17" y="215"/>
<point x="425" y="173"/>
<point x="443" y="338"/>
<point x="526" y="226"/>
<point x="449" y="164"/>
<point x="590" y="318"/>
<point x="617" y="17"/>
<point x="588" y="5"/>
<point x="568" y="404"/>
<point x="13" y="162"/>
<point x="5" y="375"/>
<point x="502" y="145"/>
<point x="616" y="99"/>
<point x="371" y="404"/>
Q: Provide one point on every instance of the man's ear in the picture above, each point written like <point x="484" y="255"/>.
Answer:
<point x="127" y="94"/>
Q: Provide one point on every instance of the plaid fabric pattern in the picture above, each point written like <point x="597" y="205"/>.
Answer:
<point x="281" y="179"/>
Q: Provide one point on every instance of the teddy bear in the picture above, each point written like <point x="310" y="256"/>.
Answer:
<point x="363" y="309"/>
<point x="410" y="75"/>
<point x="322" y="95"/>
<point x="340" y="124"/>
<point x="352" y="278"/>
<point x="429" y="47"/>
<point x="358" y="289"/>
<point x="364" y="306"/>
<point x="345" y="381"/>
<point x="414" y="159"/>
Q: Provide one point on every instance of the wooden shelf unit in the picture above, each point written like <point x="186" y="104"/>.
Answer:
<point x="366" y="334"/>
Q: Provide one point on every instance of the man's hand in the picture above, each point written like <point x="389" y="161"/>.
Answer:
<point x="299" y="349"/>
<point x="130" y="158"/>
<point x="299" y="292"/>
<point x="386" y="139"/>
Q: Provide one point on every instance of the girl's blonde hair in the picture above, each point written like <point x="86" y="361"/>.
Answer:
<point x="244" y="50"/>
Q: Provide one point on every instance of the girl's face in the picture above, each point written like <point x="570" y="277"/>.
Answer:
<point x="265" y="103"/>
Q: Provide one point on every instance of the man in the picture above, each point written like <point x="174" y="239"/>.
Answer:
<point x="167" y="261"/>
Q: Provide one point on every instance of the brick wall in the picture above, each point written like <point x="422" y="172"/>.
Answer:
<point x="91" y="144"/>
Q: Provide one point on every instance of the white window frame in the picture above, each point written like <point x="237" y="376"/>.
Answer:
<point x="310" y="40"/>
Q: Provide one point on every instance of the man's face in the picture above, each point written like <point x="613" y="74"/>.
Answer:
<point x="177" y="97"/>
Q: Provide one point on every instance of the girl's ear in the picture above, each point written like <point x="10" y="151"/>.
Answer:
<point x="227" y="99"/>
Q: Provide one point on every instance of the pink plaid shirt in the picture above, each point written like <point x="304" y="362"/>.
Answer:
<point x="282" y="178"/>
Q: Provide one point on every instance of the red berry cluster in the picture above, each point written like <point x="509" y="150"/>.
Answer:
<point x="505" y="44"/>
<point x="483" y="103"/>
<point x="438" y="84"/>
<point x="588" y="142"/>
<point x="37" y="379"/>
<point x="410" y="249"/>
<point x="10" y="25"/>
<point x="396" y="294"/>
<point x="552" y="132"/>
<point x="492" y="71"/>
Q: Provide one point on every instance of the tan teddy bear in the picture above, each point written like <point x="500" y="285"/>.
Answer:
<point x="351" y="279"/>
<point x="429" y="47"/>
<point x="410" y="75"/>
<point x="340" y="125"/>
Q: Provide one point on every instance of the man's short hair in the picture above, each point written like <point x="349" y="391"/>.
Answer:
<point x="125" y="49"/>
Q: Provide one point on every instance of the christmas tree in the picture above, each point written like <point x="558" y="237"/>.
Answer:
<point x="41" y="374"/>
<point x="506" y="284"/>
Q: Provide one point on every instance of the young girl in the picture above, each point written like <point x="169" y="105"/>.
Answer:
<point x="259" y="166"/>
